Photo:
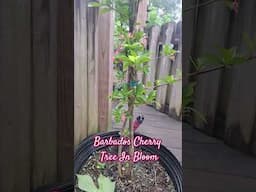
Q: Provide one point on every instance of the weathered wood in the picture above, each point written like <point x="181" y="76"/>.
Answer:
<point x="225" y="98"/>
<point x="105" y="70"/>
<point x="189" y="25"/>
<point x="81" y="68"/>
<point x="44" y="91"/>
<point x="239" y="104"/>
<point x="37" y="98"/>
<point x="153" y="49"/>
<point x="207" y="40"/>
<point x="164" y="65"/>
<point x="15" y="97"/>
<point x="142" y="15"/>
<point x="93" y="70"/>
<point x="175" y="90"/>
<point x="65" y="82"/>
<point x="92" y="75"/>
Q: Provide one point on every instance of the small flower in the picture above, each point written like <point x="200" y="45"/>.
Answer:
<point x="236" y="6"/>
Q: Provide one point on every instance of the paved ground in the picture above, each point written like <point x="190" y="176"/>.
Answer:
<point x="209" y="162"/>
<point x="160" y="125"/>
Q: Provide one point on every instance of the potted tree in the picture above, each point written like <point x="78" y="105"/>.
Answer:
<point x="98" y="167"/>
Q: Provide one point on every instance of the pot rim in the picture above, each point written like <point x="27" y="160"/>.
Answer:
<point x="172" y="166"/>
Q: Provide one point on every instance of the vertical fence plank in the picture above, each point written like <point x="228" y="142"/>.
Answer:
<point x="164" y="66"/>
<point x="15" y="97"/>
<point x="238" y="108"/>
<point x="207" y="40"/>
<point x="153" y="49"/>
<point x="141" y="23"/>
<point x="44" y="88"/>
<point x="65" y="94"/>
<point x="175" y="90"/>
<point x="105" y="68"/>
<point x="92" y="63"/>
<point x="81" y="68"/>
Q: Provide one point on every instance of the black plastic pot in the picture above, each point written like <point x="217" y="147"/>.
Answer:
<point x="167" y="159"/>
<point x="67" y="187"/>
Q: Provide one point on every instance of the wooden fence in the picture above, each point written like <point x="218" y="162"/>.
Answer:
<point x="36" y="100"/>
<point x="226" y="97"/>
<point x="93" y="70"/>
<point x="168" y="97"/>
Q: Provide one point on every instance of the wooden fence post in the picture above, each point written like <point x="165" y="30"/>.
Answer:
<point x="153" y="49"/>
<point x="92" y="75"/>
<point x="141" y="23"/>
<point x="164" y="66"/>
<point x="93" y="70"/>
<point x="105" y="69"/>
<point x="81" y="68"/>
<point x="175" y="90"/>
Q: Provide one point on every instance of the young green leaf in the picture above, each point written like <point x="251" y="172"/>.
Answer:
<point x="105" y="184"/>
<point x="94" y="4"/>
<point x="168" y="50"/>
<point x="86" y="183"/>
<point x="105" y="10"/>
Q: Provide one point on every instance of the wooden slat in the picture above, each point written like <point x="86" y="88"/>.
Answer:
<point x="175" y="90"/>
<point x="164" y="65"/>
<point x="65" y="40"/>
<point x="153" y="49"/>
<point x="92" y="74"/>
<point x="44" y="88"/>
<point x="93" y="70"/>
<point x="81" y="68"/>
<point x="105" y="67"/>
<point x="238" y="98"/>
<point x="142" y="14"/>
<point x="141" y="23"/>
<point x="207" y="40"/>
<point x="15" y="97"/>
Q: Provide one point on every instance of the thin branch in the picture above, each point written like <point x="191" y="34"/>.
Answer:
<point x="206" y="71"/>
<point x="120" y="148"/>
<point x="200" y="73"/>
<point x="216" y="68"/>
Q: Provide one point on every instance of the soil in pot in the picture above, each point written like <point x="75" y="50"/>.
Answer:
<point x="148" y="175"/>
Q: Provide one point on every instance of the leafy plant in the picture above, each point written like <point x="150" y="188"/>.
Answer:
<point x="86" y="183"/>
<point x="130" y="59"/>
<point x="187" y="102"/>
<point x="157" y="17"/>
<point x="169" y="8"/>
<point x="224" y="58"/>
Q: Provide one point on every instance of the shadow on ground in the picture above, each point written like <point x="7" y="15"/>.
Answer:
<point x="211" y="166"/>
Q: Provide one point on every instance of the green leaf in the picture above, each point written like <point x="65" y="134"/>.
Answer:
<point x="229" y="4"/>
<point x="86" y="183"/>
<point x="100" y="165"/>
<point x="168" y="50"/>
<point x="197" y="114"/>
<point x="94" y="4"/>
<point x="187" y="94"/>
<point x="105" y="10"/>
<point x="151" y="96"/>
<point x="132" y="58"/>
<point x="143" y="59"/>
<point x="170" y="79"/>
<point x="149" y="84"/>
<point x="105" y="184"/>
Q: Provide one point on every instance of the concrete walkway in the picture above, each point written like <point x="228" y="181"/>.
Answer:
<point x="208" y="164"/>
<point x="211" y="166"/>
<point x="160" y="125"/>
